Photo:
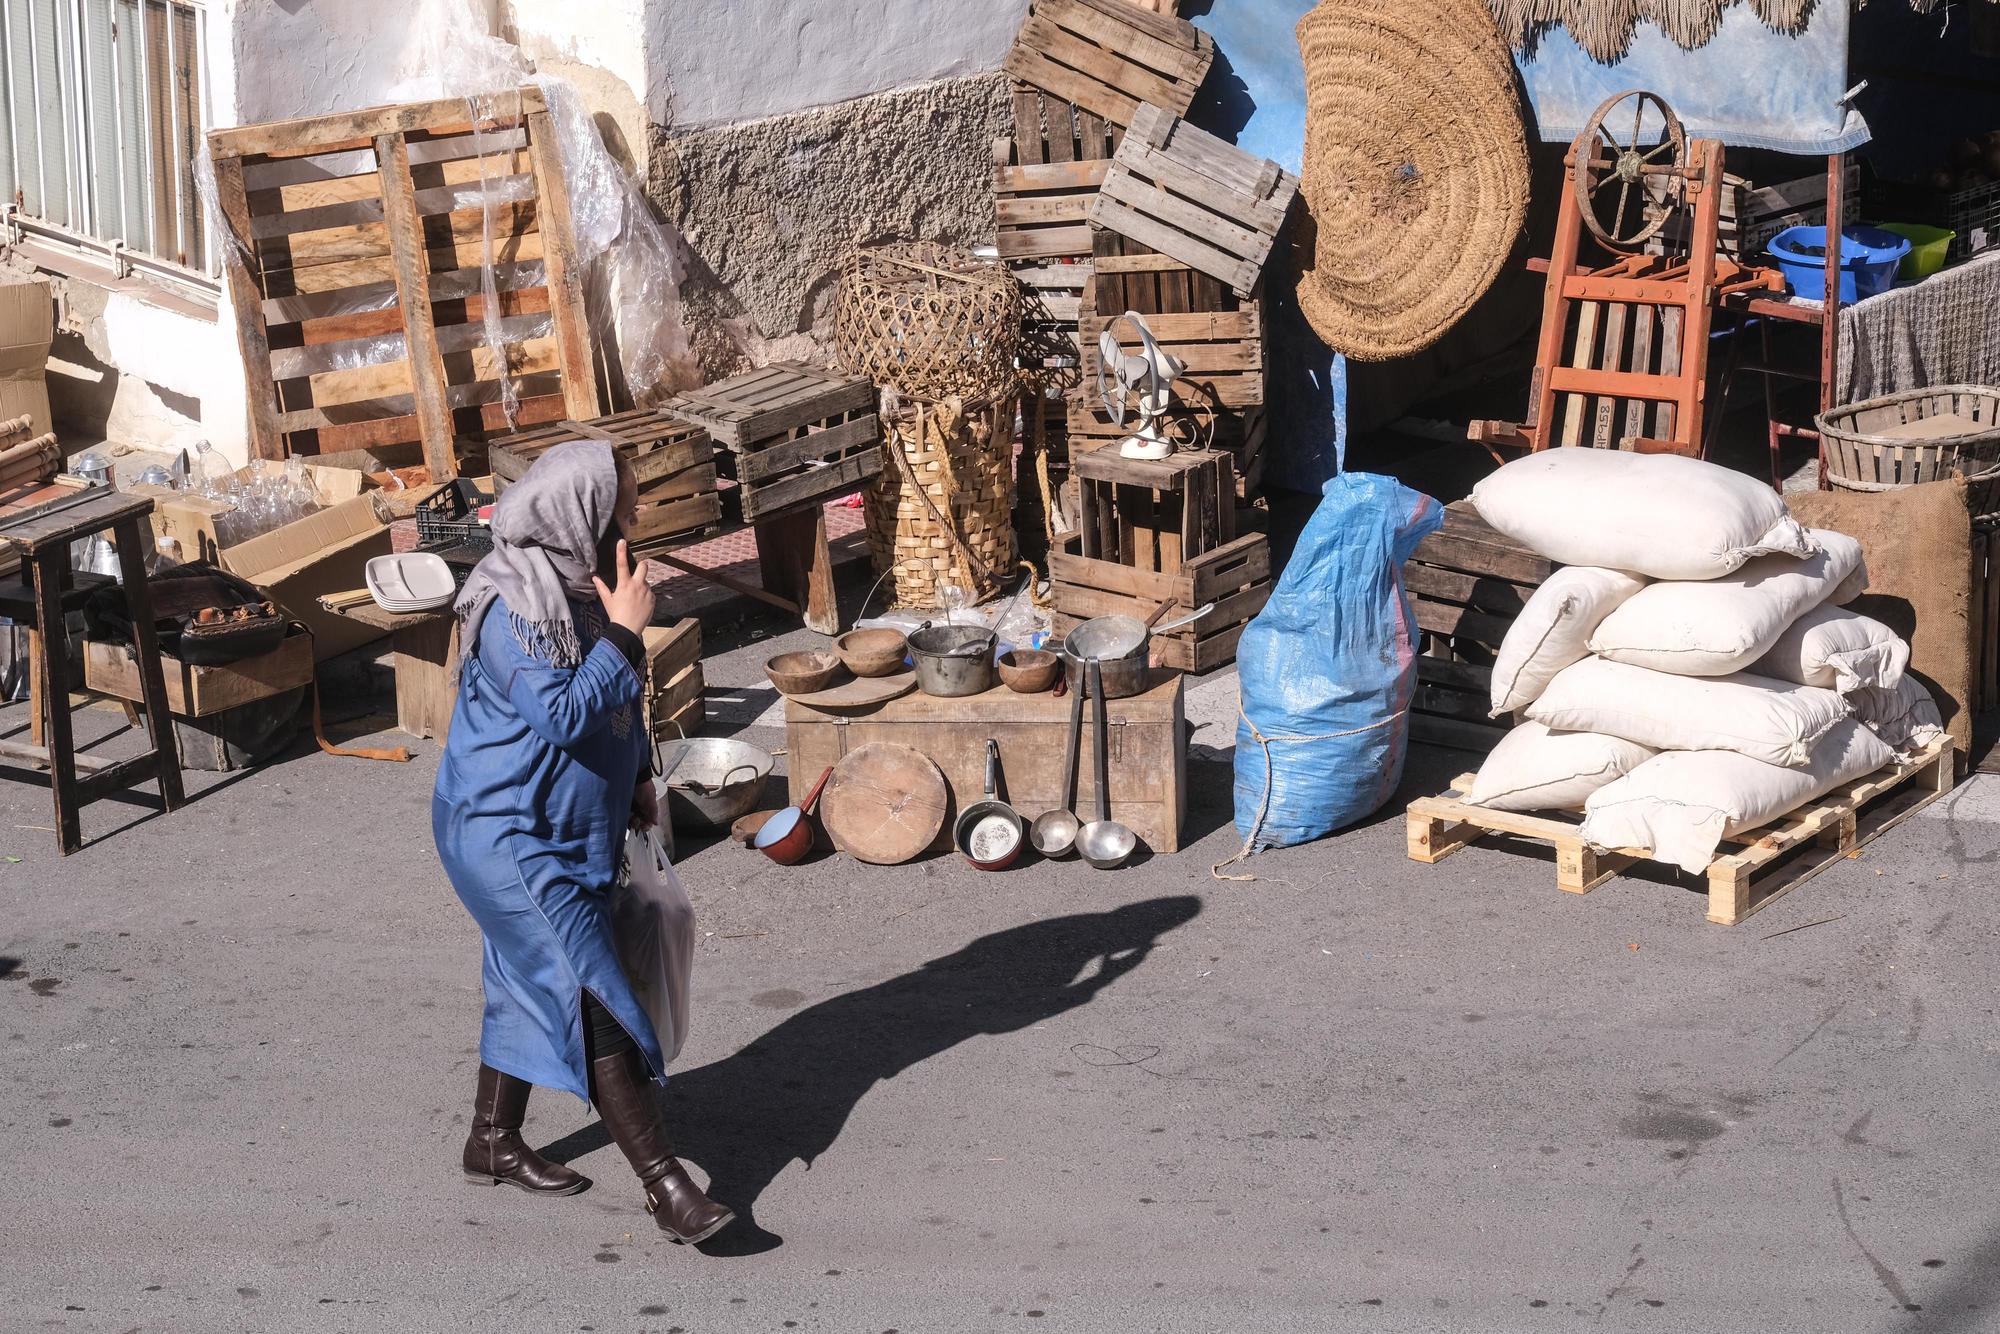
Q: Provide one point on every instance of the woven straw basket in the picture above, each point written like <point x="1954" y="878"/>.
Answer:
<point x="928" y="321"/>
<point x="1882" y="444"/>
<point x="942" y="512"/>
<point x="1416" y="169"/>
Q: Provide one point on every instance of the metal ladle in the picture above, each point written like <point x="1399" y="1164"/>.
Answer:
<point x="1104" y="842"/>
<point x="1054" y="831"/>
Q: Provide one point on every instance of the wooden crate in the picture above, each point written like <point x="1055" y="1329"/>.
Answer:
<point x="1106" y="58"/>
<point x="1467" y="583"/>
<point x="1766" y="863"/>
<point x="1218" y="334"/>
<point x="1041" y="210"/>
<point x="674" y="461"/>
<point x="796" y="436"/>
<point x="358" y="275"/>
<point x="676" y="705"/>
<point x="1154" y="514"/>
<point x="201" y="692"/>
<point x="1750" y="214"/>
<point x="1204" y="201"/>
<point x="1235" y="577"/>
<point x="1147" y="766"/>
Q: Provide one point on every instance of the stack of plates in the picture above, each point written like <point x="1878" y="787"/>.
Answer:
<point x="412" y="582"/>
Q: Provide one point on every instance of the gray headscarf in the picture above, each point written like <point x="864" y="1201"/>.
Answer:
<point x="545" y="534"/>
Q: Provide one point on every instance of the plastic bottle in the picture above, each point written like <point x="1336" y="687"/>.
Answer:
<point x="213" y="477"/>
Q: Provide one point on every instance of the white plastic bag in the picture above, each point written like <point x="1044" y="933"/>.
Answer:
<point x="652" y="928"/>
<point x="1660" y="515"/>
<point x="1679" y="806"/>
<point x="1554" y="629"/>
<point x="1773" y="721"/>
<point x="1712" y="627"/>
<point x="1534" y="769"/>
<point x="1839" y="649"/>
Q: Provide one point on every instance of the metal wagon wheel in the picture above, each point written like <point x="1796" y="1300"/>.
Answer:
<point x="1598" y="161"/>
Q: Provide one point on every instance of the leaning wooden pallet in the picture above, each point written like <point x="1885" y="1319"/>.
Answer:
<point x="377" y="306"/>
<point x="1767" y="863"/>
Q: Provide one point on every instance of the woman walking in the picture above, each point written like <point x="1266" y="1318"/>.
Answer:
<point x="542" y="774"/>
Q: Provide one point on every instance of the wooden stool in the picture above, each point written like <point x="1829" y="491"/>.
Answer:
<point x="42" y="537"/>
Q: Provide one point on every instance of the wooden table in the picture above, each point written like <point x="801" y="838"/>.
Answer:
<point x="425" y="645"/>
<point x="1146" y="740"/>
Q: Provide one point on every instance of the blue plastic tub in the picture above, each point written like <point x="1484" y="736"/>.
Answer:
<point x="1868" y="260"/>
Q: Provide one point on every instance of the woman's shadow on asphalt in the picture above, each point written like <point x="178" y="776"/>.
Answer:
<point x="787" y="1095"/>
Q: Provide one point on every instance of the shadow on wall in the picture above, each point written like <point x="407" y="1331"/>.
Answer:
<point x="787" y="1095"/>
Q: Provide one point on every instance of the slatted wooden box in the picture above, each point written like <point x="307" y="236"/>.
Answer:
<point x="674" y="462"/>
<point x="1467" y="584"/>
<point x="1154" y="514"/>
<point x="358" y="266"/>
<point x="1219" y="402"/>
<point x="1204" y="201"/>
<point x="1106" y="58"/>
<point x="676" y="704"/>
<point x="795" y="436"/>
<point x="1235" y="577"/>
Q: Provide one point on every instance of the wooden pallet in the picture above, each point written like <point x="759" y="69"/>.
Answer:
<point x="1106" y="58"/>
<point x="1154" y="514"/>
<point x="359" y="277"/>
<point x="1767" y="863"/>
<point x="1466" y="583"/>
<point x="674" y="462"/>
<point x="1186" y="193"/>
<point x="1235" y="577"/>
<point x="796" y="436"/>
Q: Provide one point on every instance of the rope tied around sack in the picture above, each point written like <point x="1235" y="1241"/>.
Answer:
<point x="1264" y="802"/>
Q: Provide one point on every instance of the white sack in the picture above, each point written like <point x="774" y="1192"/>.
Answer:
<point x="1660" y="515"/>
<point x="1678" y="807"/>
<point x="1534" y="769"/>
<point x="1840" y="650"/>
<point x="1773" y="721"/>
<point x="1903" y="715"/>
<point x="1718" y="626"/>
<point x="1553" y="630"/>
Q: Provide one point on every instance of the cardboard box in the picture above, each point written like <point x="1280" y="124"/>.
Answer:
<point x="27" y="327"/>
<point x="199" y="692"/>
<point x="192" y="520"/>
<point x="327" y="552"/>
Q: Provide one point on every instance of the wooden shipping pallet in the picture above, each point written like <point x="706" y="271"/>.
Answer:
<point x="1235" y="577"/>
<point x="1186" y="193"/>
<point x="359" y="277"/>
<point x="674" y="462"/>
<point x="796" y="436"/>
<point x="1106" y="58"/>
<point x="1767" y="863"/>
<point x="1466" y="583"/>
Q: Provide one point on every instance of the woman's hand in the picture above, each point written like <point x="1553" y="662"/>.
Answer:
<point x="631" y="603"/>
<point x="645" y="805"/>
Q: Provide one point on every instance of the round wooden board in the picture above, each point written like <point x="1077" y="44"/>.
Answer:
<point x="861" y="692"/>
<point x="884" y="804"/>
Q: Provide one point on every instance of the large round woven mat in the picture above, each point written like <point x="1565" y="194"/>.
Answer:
<point x="1416" y="169"/>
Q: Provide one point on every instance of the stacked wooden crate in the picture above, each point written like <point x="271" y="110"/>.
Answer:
<point x="1162" y="532"/>
<point x="675" y="700"/>
<point x="1467" y="583"/>
<point x="674" y="463"/>
<point x="794" y="436"/>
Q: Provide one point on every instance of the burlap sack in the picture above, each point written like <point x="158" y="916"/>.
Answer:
<point x="1918" y="544"/>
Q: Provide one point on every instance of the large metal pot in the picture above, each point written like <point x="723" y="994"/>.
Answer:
<point x="1121" y="645"/>
<point x="710" y="782"/>
<point x="953" y="660"/>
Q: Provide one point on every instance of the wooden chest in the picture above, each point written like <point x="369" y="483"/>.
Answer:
<point x="795" y="436"/>
<point x="1146" y="744"/>
<point x="674" y="461"/>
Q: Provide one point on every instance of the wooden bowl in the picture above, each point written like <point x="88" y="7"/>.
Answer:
<point x="1029" y="671"/>
<point x="802" y="673"/>
<point x="877" y="652"/>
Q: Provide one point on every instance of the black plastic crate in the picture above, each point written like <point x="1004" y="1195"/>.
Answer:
<point x="449" y="517"/>
<point x="461" y="557"/>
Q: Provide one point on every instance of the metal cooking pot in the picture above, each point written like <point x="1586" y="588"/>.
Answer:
<point x="710" y="782"/>
<point x="953" y="660"/>
<point x="1120" y="644"/>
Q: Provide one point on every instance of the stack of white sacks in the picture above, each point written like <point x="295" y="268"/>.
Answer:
<point x="1691" y="673"/>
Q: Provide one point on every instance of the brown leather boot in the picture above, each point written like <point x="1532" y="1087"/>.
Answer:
<point x="626" y="1103"/>
<point x="495" y="1151"/>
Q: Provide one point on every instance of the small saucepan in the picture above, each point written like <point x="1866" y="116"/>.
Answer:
<point x="990" y="833"/>
<point x="1121" y="646"/>
<point x="788" y="836"/>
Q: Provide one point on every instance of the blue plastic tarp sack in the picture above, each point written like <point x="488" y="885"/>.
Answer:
<point x="1328" y="667"/>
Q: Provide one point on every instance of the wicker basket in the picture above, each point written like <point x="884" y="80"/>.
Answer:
<point x="942" y="512"/>
<point x="1882" y="444"/>
<point x="928" y="321"/>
